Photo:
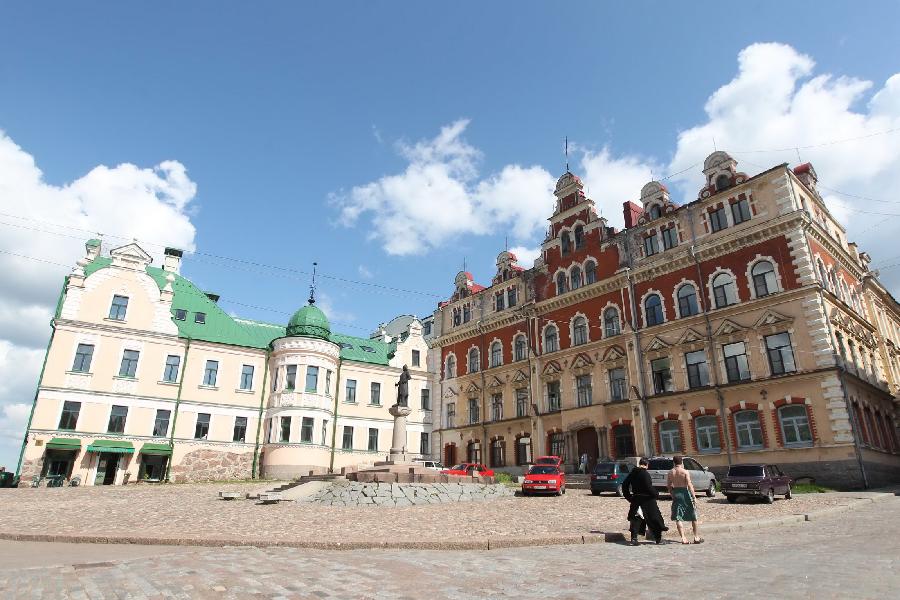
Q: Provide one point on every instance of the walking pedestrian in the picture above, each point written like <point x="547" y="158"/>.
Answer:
<point x="643" y="512"/>
<point x="584" y="463"/>
<point x="684" y="507"/>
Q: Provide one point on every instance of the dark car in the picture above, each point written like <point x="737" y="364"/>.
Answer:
<point x="756" y="481"/>
<point x="608" y="477"/>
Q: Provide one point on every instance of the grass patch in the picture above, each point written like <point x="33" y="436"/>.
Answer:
<point x="809" y="488"/>
<point x="504" y="478"/>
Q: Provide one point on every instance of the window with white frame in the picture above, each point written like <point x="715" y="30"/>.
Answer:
<point x="575" y="278"/>
<point x="83" y="356"/>
<point x="201" y="427"/>
<point x="474" y="359"/>
<point x="697" y="369"/>
<point x="748" y="430"/>
<point x="565" y="242"/>
<point x="687" y="300"/>
<point x="737" y="367"/>
<point x="553" y="400"/>
<point x="764" y="280"/>
<point x="669" y="437"/>
<point x="717" y="219"/>
<point x="118" y="308"/>
<point x="497" y="407"/>
<point x="290" y="377"/>
<point x="724" y="290"/>
<point x="211" y="373"/>
<point x="551" y="339"/>
<point x="661" y="369"/>
<point x="707" y="429"/>
<point x="583" y="389"/>
<point x="653" y="310"/>
<point x="350" y="393"/>
<point x="521" y="402"/>
<point x="128" y="367"/>
<point x="670" y="238"/>
<point x="618" y="385"/>
<point x="312" y="379"/>
<point x="561" y="283"/>
<point x="450" y="371"/>
<point x="579" y="331"/>
<point x="451" y="415"/>
<point x="781" y="356"/>
<point x="795" y="428"/>
<point x="521" y="347"/>
<point x="247" y="377"/>
<point x="375" y="393"/>
<point x="496" y="354"/>
<point x="347" y="438"/>
<point x="239" y="433"/>
<point x="590" y="272"/>
<point x="373" y="440"/>
<point x="579" y="237"/>
<point x="740" y="211"/>
<point x="611" y="325"/>
<point x="170" y="372"/>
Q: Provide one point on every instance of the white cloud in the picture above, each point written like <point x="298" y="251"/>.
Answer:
<point x="526" y="255"/>
<point x="440" y="196"/>
<point x="340" y="317"/>
<point x="51" y="223"/>
<point x="613" y="180"/>
<point x="364" y="272"/>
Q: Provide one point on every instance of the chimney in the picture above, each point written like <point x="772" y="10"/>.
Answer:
<point x="172" y="260"/>
<point x="631" y="211"/>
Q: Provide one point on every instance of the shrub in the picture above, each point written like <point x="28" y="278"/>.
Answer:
<point x="503" y="478"/>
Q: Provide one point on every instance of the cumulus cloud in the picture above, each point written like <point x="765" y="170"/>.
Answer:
<point x="441" y="195"/>
<point x="43" y="228"/>
<point x="612" y="180"/>
<point x="526" y="255"/>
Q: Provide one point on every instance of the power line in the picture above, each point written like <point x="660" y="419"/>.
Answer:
<point x="823" y="144"/>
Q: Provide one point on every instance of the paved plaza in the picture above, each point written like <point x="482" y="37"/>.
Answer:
<point x="184" y="513"/>
<point x="848" y="555"/>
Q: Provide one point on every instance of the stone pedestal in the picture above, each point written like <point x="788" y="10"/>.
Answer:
<point x="398" y="442"/>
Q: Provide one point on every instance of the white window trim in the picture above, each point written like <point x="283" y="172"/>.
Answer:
<point x="734" y="282"/>
<point x="455" y="365"/>
<point x="565" y="274"/>
<point x="677" y="305"/>
<point x="124" y="292"/>
<point x="603" y="318"/>
<point x="587" y="327"/>
<point x="468" y="358"/>
<point x="218" y="362"/>
<point x="162" y="375"/>
<point x="544" y="337"/>
<point x="571" y="268"/>
<point x="777" y="271"/>
<point x="252" y="387"/>
<point x="491" y="352"/>
<point x="512" y="348"/>
<point x="91" y="340"/>
<point x="662" y="305"/>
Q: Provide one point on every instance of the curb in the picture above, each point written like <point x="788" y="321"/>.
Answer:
<point x="484" y="544"/>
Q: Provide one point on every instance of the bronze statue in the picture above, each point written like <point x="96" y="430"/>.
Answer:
<point x="403" y="387"/>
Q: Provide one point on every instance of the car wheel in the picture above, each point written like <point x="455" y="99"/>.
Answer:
<point x="619" y="491"/>
<point x="711" y="490"/>
<point x="789" y="493"/>
<point x="563" y="489"/>
<point x="732" y="499"/>
<point x="595" y="492"/>
<point x="770" y="496"/>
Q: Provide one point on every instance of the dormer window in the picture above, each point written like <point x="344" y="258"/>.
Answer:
<point x="655" y="212"/>
<point x="345" y="346"/>
<point x="723" y="182"/>
<point x="180" y="314"/>
<point x="566" y="242"/>
<point x="367" y="349"/>
<point x="579" y="237"/>
<point x="200" y="318"/>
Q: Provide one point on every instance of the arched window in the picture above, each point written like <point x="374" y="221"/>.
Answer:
<point x="655" y="212"/>
<point x="723" y="182"/>
<point x="521" y="348"/>
<point x="823" y="276"/>
<point x="590" y="272"/>
<point x="724" y="290"/>
<point x="707" y="434"/>
<point x="560" y="283"/>
<point x="575" y="278"/>
<point x="611" y="322"/>
<point x="566" y="242"/>
<point x="451" y="368"/>
<point x="496" y="354"/>
<point x="551" y="339"/>
<point x="579" y="331"/>
<point x="748" y="429"/>
<point x="498" y="453"/>
<point x="795" y="425"/>
<point x="474" y="359"/>
<point x="579" y="237"/>
<point x="669" y="437"/>
<point x="832" y="283"/>
<point x="687" y="300"/>
<point x="764" y="282"/>
<point x="653" y="310"/>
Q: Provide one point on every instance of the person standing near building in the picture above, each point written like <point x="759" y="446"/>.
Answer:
<point x="639" y="491"/>
<point x="584" y="463"/>
<point x="684" y="507"/>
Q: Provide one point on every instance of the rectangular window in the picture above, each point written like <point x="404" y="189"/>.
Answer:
<point x="426" y="399"/>
<point x="717" y="219"/>
<point x="416" y="358"/>
<point x="285" y="430"/>
<point x="473" y="411"/>
<point x="351" y="391"/>
<point x="618" y="390"/>
<point x="290" y="377"/>
<point x="200" y="318"/>
<point x="670" y="238"/>
<point x="247" y="377"/>
<point x="736" y="366"/>
<point x="499" y="301"/>
<point x="240" y="429"/>
<point x="312" y="379"/>
<point x="69" y="417"/>
<point x="373" y="440"/>
<point x="201" y="429"/>
<point x="170" y="373"/>
<point x="650" y="245"/>
<point x="781" y="356"/>
<point x="128" y="368"/>
<point x="83" y="356"/>
<point x="161" y="423"/>
<point x="375" y="393"/>
<point x="180" y="314"/>
<point x="117" y="417"/>
<point x="707" y="434"/>
<point x="467" y="314"/>
<point x="553" y="396"/>
<point x="511" y="297"/>
<point x="697" y="369"/>
<point x="451" y="415"/>
<point x="521" y="402"/>
<point x="496" y="407"/>
<point x="662" y="375"/>
<point x="118" y="308"/>
<point x="583" y="385"/>
<point x="328" y="382"/>
<point x="306" y="430"/>
<point x="426" y="328"/>
<point x="211" y="373"/>
<point x="740" y="211"/>
<point x="347" y="441"/>
<point x="424" y="446"/>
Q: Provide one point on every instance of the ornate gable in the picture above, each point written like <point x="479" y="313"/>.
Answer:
<point x="520" y="376"/>
<point x="613" y="354"/>
<point x="729" y="327"/>
<point x="689" y="337"/>
<point x="582" y="361"/>
<point x="450" y="393"/>
<point x="657" y="344"/>
<point x="495" y="382"/>
<point x="130" y="256"/>
<point x="473" y="388"/>
<point x="770" y="317"/>
<point x="552" y="368"/>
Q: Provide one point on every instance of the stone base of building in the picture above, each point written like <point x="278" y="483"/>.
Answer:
<point x="212" y="465"/>
<point x="288" y="472"/>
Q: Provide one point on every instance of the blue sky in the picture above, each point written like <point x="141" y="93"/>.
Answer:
<point x="288" y="117"/>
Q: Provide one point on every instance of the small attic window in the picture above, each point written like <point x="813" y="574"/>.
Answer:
<point x="345" y="346"/>
<point x="368" y="348"/>
<point x="655" y="212"/>
<point x="723" y="182"/>
<point x="180" y="314"/>
<point x="200" y="317"/>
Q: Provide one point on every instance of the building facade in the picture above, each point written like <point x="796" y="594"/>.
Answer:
<point x="740" y="327"/>
<point x="146" y="377"/>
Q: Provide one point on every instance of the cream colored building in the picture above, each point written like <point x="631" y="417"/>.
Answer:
<point x="147" y="377"/>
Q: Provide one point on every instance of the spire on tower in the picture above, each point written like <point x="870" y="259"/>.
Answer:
<point x="312" y="287"/>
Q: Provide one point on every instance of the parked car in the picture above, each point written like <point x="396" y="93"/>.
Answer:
<point x="608" y="477"/>
<point x="544" y="479"/>
<point x="756" y="481"/>
<point x="431" y="464"/>
<point x="555" y="461"/>
<point x="702" y="478"/>
<point x="469" y="469"/>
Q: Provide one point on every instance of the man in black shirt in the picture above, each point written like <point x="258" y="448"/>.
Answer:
<point x="639" y="491"/>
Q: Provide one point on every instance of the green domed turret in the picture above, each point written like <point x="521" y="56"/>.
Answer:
<point x="309" y="321"/>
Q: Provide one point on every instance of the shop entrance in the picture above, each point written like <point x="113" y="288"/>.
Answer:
<point x="107" y="467"/>
<point x="587" y="444"/>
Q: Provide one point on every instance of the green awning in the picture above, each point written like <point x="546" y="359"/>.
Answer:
<point x="64" y="444"/>
<point x="116" y="446"/>
<point x="157" y="449"/>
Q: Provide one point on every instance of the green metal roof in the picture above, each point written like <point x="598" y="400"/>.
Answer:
<point x="117" y="446"/>
<point x="64" y="444"/>
<point x="309" y="321"/>
<point x="156" y="449"/>
<point x="222" y="328"/>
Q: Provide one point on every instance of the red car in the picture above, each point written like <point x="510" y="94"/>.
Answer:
<point x="544" y="479"/>
<point x="469" y="469"/>
<point x="554" y="461"/>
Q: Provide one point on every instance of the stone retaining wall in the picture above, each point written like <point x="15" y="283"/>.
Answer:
<point x="352" y="493"/>
<point x="210" y="465"/>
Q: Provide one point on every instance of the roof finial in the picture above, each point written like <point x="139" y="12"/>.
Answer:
<point x="506" y="243"/>
<point x="312" y="288"/>
<point x="567" y="154"/>
<point x="464" y="263"/>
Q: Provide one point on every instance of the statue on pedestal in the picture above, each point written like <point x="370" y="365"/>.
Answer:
<point x="403" y="387"/>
